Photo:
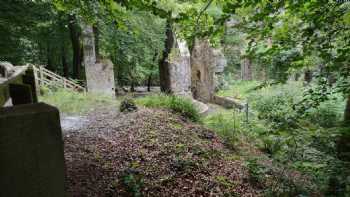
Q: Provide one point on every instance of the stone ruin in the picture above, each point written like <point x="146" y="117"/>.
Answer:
<point x="203" y="71"/>
<point x="17" y="85"/>
<point x="180" y="69"/>
<point x="103" y="82"/>
<point x="220" y="64"/>
<point x="194" y="74"/>
<point x="220" y="60"/>
<point x="99" y="72"/>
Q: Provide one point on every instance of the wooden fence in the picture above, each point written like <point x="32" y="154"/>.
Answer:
<point x="45" y="77"/>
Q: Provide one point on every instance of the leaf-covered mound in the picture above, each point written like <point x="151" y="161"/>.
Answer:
<point x="150" y="153"/>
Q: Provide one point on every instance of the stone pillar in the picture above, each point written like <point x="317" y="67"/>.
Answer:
<point x="100" y="78"/>
<point x="31" y="152"/>
<point x="203" y="71"/>
<point x="99" y="74"/>
<point x="180" y="69"/>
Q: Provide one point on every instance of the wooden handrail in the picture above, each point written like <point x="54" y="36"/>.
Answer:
<point x="44" y="76"/>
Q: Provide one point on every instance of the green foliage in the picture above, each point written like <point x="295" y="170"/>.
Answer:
<point x="227" y="123"/>
<point x="69" y="102"/>
<point x="238" y="89"/>
<point x="181" y="105"/>
<point x="136" y="48"/>
<point x="133" y="182"/>
<point x="275" y="104"/>
<point x="301" y="148"/>
<point x="329" y="113"/>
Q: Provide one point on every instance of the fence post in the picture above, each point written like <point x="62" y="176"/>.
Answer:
<point x="247" y="112"/>
<point x="37" y="86"/>
<point x="41" y="75"/>
<point x="64" y="83"/>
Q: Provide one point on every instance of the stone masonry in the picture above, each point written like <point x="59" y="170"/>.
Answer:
<point x="31" y="152"/>
<point x="203" y="67"/>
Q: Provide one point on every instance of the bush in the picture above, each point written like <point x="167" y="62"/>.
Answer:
<point x="329" y="113"/>
<point x="275" y="104"/>
<point x="177" y="104"/>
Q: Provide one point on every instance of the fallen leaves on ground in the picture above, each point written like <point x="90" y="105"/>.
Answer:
<point x="150" y="153"/>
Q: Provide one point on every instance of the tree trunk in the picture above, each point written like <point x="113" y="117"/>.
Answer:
<point x="308" y="76"/>
<point x="164" y="74"/>
<point x="64" y="63"/>
<point x="49" y="59"/>
<point x="347" y="112"/>
<point x="75" y="39"/>
<point x="149" y="83"/>
<point x="97" y="42"/>
<point x="132" y="88"/>
<point x="246" y="69"/>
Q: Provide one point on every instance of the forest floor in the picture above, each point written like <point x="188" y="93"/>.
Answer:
<point x="149" y="153"/>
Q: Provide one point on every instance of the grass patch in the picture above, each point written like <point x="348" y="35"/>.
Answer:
<point x="180" y="105"/>
<point x="238" y="89"/>
<point x="70" y="102"/>
<point x="225" y="122"/>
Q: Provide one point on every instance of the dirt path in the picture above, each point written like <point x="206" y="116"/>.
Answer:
<point x="150" y="153"/>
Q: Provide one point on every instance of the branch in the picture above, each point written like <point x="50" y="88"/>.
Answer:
<point x="202" y="12"/>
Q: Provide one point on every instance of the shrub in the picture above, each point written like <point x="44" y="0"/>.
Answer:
<point x="275" y="104"/>
<point x="177" y="104"/>
<point x="328" y="113"/>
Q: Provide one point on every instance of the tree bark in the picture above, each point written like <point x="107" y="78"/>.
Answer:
<point x="64" y="63"/>
<point x="347" y="112"/>
<point x="308" y="76"/>
<point x="97" y="41"/>
<point x="149" y="83"/>
<point x="49" y="58"/>
<point x="75" y="39"/>
<point x="246" y="69"/>
<point x="164" y="74"/>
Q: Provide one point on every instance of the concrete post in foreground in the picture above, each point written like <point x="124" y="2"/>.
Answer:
<point x="31" y="152"/>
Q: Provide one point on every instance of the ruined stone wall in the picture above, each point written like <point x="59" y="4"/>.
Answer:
<point x="220" y="64"/>
<point x="220" y="61"/>
<point x="180" y="69"/>
<point x="99" y="73"/>
<point x="100" y="78"/>
<point x="203" y="68"/>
